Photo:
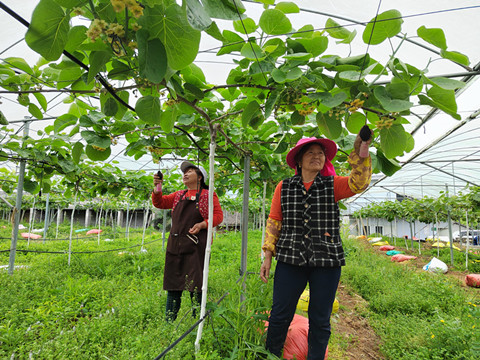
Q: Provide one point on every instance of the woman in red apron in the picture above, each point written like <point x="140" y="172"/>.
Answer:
<point x="188" y="236"/>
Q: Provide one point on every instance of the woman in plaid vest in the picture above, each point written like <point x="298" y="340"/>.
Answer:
<point x="303" y="233"/>
<point x="187" y="241"/>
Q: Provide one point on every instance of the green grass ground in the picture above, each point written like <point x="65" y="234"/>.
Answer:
<point x="110" y="305"/>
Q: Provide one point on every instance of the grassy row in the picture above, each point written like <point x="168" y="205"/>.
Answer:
<point x="111" y="305"/>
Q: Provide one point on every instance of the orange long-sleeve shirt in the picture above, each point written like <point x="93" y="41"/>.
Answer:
<point x="161" y="201"/>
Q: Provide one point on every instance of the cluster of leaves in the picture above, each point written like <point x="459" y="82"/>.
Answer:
<point x="285" y="86"/>
<point x="428" y="210"/>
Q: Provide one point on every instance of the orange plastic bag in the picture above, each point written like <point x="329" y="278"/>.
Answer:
<point x="473" y="280"/>
<point x="30" y="235"/>
<point x="94" y="231"/>
<point x="401" y="257"/>
<point x="296" y="344"/>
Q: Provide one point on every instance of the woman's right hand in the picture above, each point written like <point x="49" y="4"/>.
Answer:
<point x="157" y="181"/>
<point x="266" y="265"/>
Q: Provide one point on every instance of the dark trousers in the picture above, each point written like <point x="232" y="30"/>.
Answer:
<point x="289" y="283"/>
<point x="174" y="300"/>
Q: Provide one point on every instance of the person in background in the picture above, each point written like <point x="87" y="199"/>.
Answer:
<point x="303" y="233"/>
<point x="187" y="241"/>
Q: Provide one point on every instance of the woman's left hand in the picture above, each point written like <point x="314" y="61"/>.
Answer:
<point x="195" y="229"/>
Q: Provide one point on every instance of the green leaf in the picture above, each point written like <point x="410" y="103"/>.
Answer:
<point x="66" y="165"/>
<point x="171" y="26"/>
<point x="3" y="119"/>
<point x="41" y="100"/>
<point x="329" y="125"/>
<point x="245" y="26"/>
<point x="316" y="45"/>
<point x="76" y="36"/>
<point x="111" y="107"/>
<point x="436" y="37"/>
<point x="77" y="152"/>
<point x="168" y="119"/>
<point x="305" y="32"/>
<point x="389" y="104"/>
<point x="228" y="94"/>
<point x="122" y="109"/>
<point x="64" y="121"/>
<point x="446" y="83"/>
<point x="351" y="76"/>
<point x="152" y="57"/>
<point x="252" y="51"/>
<point x="35" y="111"/>
<point x="279" y="76"/>
<point x="275" y="47"/>
<point x="455" y="56"/>
<point x="234" y="42"/>
<point x="270" y="103"/>
<point x="297" y="119"/>
<point x="355" y="122"/>
<point x="195" y="91"/>
<point x="68" y="76"/>
<point x="281" y="147"/>
<point x="387" y="25"/>
<point x="98" y="59"/>
<point x="19" y="63"/>
<point x="48" y="30"/>
<point x="149" y="110"/>
<point x="337" y="31"/>
<point x="194" y="75"/>
<point x="274" y="22"/>
<point x="30" y="186"/>
<point x="398" y="90"/>
<point x="441" y="99"/>
<point x="301" y="56"/>
<point x="223" y="9"/>
<point x="393" y="140"/>
<point x="197" y="16"/>
<point x="92" y="138"/>
<point x="251" y="111"/>
<point x="386" y="166"/>
<point x="97" y="155"/>
<point x="330" y="101"/>
<point x="287" y="7"/>
<point x="214" y="32"/>
<point x="294" y="74"/>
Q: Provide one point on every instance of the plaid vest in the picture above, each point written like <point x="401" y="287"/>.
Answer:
<point x="310" y="234"/>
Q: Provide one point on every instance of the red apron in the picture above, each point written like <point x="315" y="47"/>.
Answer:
<point x="184" y="258"/>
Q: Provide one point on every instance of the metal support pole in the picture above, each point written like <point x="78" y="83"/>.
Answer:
<point x="450" y="232"/>
<point x="164" y="229"/>
<point x="47" y="211"/>
<point x="208" y="248"/>
<point x="263" y="216"/>
<point x="18" y="208"/>
<point x="468" y="240"/>
<point x="246" y="190"/>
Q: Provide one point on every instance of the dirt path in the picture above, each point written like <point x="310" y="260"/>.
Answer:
<point x="357" y="338"/>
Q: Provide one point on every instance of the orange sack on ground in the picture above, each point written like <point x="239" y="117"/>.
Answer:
<point x="94" y="231"/>
<point x="296" y="344"/>
<point x="386" y="247"/>
<point x="30" y="235"/>
<point x="401" y="257"/>
<point x="473" y="280"/>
